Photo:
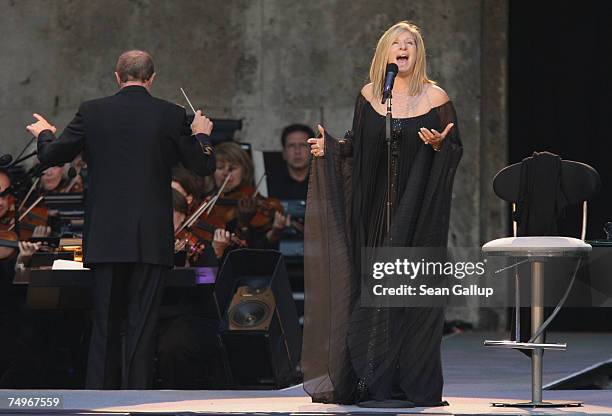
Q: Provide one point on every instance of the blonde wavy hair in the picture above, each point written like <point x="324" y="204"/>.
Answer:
<point x="379" y="61"/>
<point x="231" y="152"/>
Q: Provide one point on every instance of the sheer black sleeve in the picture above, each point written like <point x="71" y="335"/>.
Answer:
<point x="330" y="288"/>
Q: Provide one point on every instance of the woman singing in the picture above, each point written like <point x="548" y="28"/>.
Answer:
<point x="385" y="357"/>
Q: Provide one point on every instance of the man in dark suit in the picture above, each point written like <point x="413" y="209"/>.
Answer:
<point x="131" y="141"/>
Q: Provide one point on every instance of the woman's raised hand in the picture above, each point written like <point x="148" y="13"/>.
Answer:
<point x="433" y="138"/>
<point x="317" y="144"/>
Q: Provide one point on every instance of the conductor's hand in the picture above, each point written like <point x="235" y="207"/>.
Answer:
<point x="40" y="125"/>
<point x="201" y="124"/>
<point x="317" y="144"/>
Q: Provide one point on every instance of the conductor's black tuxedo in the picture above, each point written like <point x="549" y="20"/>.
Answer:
<point x="131" y="141"/>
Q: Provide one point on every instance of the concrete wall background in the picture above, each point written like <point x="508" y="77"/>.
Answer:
<point x="269" y="62"/>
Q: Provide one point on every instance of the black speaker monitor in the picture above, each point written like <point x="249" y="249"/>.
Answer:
<point x="259" y="324"/>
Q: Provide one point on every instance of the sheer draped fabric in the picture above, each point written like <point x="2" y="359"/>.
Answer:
<point x="352" y="353"/>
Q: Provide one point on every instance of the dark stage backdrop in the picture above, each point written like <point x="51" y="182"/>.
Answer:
<point x="560" y="100"/>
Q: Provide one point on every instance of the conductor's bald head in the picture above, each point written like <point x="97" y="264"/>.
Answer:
<point x="135" y="67"/>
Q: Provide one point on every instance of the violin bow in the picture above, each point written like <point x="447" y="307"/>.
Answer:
<point x="206" y="205"/>
<point x="259" y="184"/>
<point x="193" y="217"/>
<point x="27" y="211"/>
<point x="28" y="194"/>
<point x="216" y="197"/>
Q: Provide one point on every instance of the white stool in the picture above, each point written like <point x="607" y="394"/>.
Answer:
<point x="537" y="250"/>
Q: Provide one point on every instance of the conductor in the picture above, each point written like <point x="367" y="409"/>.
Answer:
<point x="131" y="141"/>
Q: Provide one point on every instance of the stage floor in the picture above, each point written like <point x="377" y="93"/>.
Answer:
<point x="474" y="376"/>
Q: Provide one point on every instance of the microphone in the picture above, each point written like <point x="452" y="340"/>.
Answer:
<point x="5" y="160"/>
<point x="391" y="72"/>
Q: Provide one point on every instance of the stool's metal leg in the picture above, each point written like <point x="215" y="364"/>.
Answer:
<point x="537" y="317"/>
<point x="517" y="309"/>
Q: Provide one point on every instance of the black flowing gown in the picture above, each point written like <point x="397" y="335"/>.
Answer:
<point x="353" y="353"/>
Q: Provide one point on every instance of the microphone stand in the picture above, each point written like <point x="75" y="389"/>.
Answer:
<point x="389" y="203"/>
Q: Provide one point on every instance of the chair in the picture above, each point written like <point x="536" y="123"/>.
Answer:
<point x="579" y="183"/>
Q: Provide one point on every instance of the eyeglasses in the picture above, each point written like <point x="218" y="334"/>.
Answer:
<point x="296" y="146"/>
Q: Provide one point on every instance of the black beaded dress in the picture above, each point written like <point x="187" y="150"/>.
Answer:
<point x="353" y="353"/>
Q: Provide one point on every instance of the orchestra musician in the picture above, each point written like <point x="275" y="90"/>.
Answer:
<point x="232" y="160"/>
<point x="186" y="184"/>
<point x="291" y="182"/>
<point x="197" y="251"/>
<point x="180" y="208"/>
<point x="187" y="353"/>
<point x="131" y="142"/>
<point x="7" y="219"/>
<point x="77" y="183"/>
<point x="12" y="296"/>
<point x="38" y="220"/>
<point x="6" y="200"/>
<point x="53" y="180"/>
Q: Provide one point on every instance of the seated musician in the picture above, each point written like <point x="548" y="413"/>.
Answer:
<point x="186" y="184"/>
<point x="77" y="183"/>
<point x="6" y="201"/>
<point x="7" y="219"/>
<point x="187" y="351"/>
<point x="179" y="208"/>
<point x="291" y="182"/>
<point x="233" y="160"/>
<point x="63" y="179"/>
<point x="12" y="296"/>
<point x="195" y="252"/>
<point x="53" y="180"/>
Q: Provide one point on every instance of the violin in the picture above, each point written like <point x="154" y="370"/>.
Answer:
<point x="206" y="230"/>
<point x="31" y="218"/>
<point x="225" y="209"/>
<point x="203" y="225"/>
<point x="9" y="244"/>
<point x="193" y="240"/>
<point x="190" y="243"/>
<point x="37" y="216"/>
<point x="265" y="209"/>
